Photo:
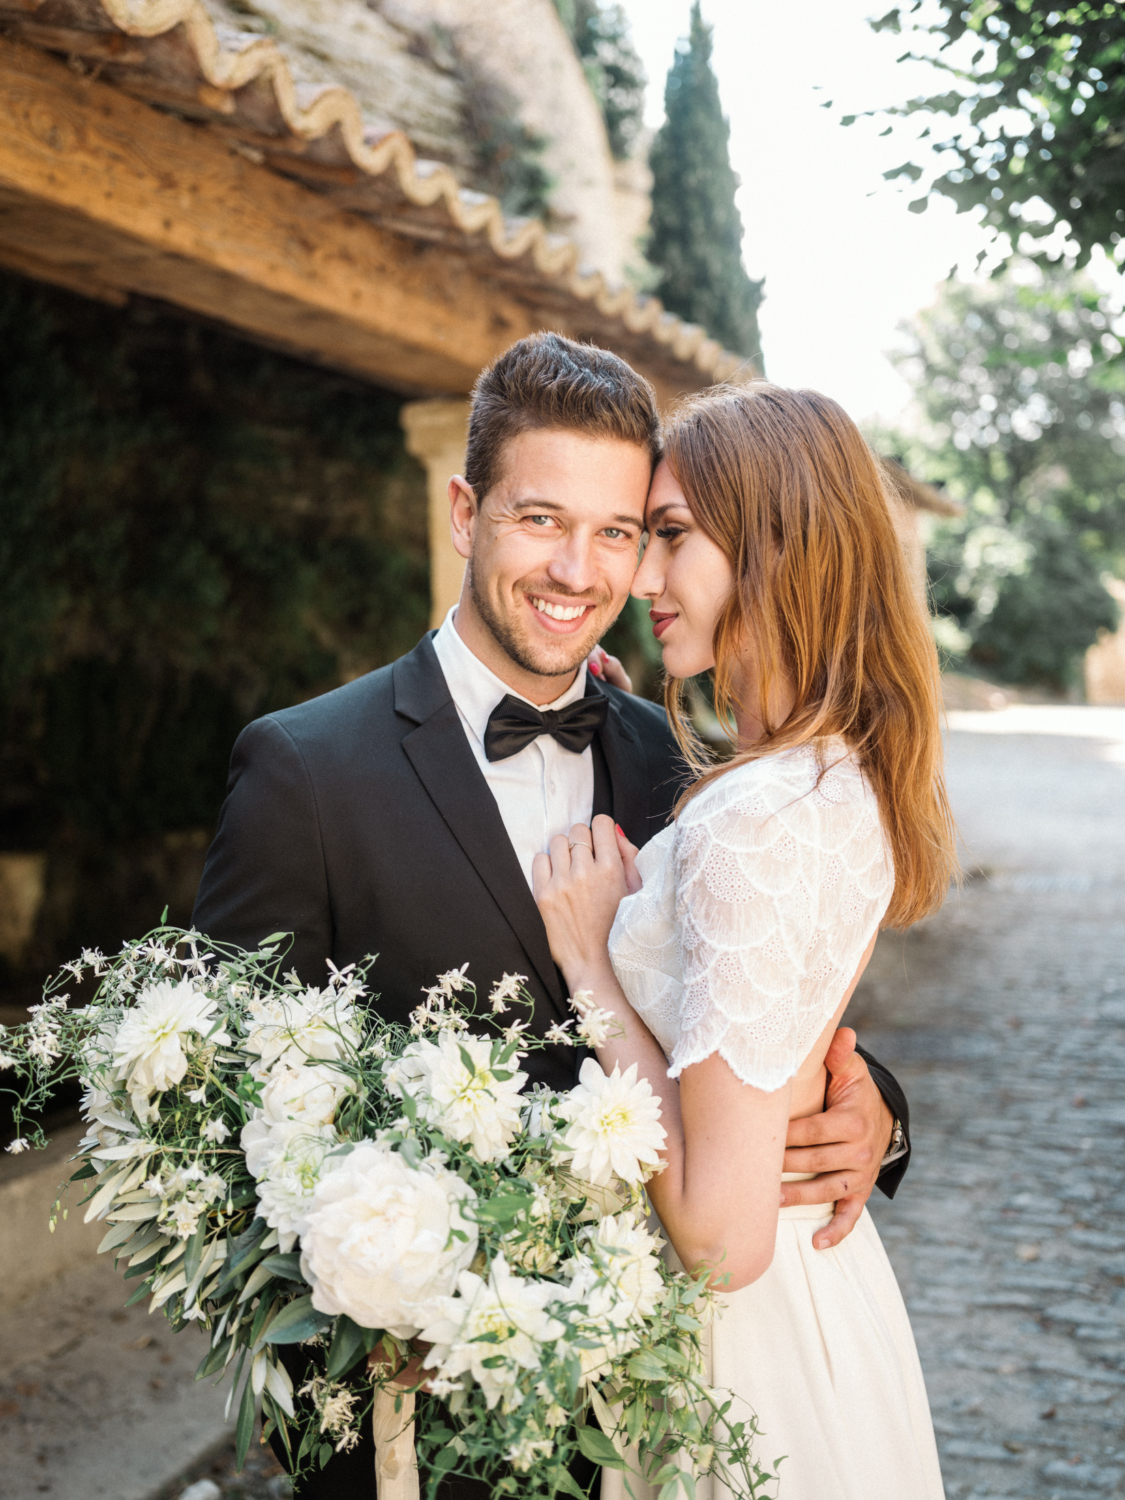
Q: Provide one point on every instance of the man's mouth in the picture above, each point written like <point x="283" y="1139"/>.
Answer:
<point x="564" y="615"/>
<point x="660" y="622"/>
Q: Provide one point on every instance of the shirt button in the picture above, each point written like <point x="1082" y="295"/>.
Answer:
<point x="552" y="787"/>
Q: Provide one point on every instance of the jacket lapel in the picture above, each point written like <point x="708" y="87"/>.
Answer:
<point x="628" y="775"/>
<point x="444" y="763"/>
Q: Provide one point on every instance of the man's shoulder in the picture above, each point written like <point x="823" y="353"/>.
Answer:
<point x="648" y="722"/>
<point x="357" y="706"/>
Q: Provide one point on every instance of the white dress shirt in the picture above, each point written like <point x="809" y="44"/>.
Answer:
<point x="543" y="789"/>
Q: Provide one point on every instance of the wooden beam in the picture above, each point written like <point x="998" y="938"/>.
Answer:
<point x="100" y="191"/>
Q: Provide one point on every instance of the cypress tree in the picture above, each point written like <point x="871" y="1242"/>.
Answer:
<point x="695" y="240"/>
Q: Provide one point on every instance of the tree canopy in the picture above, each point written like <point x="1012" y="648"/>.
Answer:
<point x="1036" y="118"/>
<point x="1022" y="400"/>
<point x="695" y="241"/>
<point x="613" y="68"/>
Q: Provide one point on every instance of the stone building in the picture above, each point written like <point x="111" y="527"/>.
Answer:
<point x="310" y="177"/>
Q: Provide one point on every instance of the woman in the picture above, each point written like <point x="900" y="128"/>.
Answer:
<point x="729" y="947"/>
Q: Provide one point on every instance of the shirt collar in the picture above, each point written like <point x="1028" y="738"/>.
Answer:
<point x="475" y="688"/>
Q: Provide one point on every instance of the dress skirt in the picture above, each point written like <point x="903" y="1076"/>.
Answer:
<point x="821" y="1349"/>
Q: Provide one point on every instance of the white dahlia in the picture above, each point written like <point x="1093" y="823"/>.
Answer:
<point x="157" y="1036"/>
<point x="493" y="1329"/>
<point x="385" y="1241"/>
<point x="294" y="1029"/>
<point x="466" y="1100"/>
<point x="614" y="1128"/>
<point x="287" y="1160"/>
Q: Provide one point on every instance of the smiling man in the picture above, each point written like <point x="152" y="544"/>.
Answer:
<point x="399" y="815"/>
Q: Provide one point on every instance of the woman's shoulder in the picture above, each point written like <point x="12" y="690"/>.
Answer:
<point x="807" y="781"/>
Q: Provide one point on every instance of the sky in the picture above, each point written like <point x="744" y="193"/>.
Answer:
<point x="844" y="260"/>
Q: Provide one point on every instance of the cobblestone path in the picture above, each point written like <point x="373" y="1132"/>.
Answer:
<point x="1005" y="1017"/>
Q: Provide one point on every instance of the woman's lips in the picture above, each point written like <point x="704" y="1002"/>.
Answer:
<point x="660" y="622"/>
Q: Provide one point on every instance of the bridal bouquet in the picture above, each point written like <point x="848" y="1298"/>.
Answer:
<point x="283" y="1167"/>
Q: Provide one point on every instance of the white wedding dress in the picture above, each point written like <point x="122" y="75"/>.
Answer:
<point x="757" y="906"/>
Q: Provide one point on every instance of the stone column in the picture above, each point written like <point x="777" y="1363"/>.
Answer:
<point x="435" y="435"/>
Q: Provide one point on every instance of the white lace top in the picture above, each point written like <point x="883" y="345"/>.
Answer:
<point x="757" y="906"/>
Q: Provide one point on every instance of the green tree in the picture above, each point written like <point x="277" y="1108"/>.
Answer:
<point x="1022" y="400"/>
<point x="1037" y="115"/>
<point x="601" y="37"/>
<point x="696" y="235"/>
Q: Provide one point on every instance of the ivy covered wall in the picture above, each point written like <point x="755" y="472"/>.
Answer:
<point x="193" y="531"/>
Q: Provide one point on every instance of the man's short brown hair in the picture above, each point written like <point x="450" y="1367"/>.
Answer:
<point x="547" y="381"/>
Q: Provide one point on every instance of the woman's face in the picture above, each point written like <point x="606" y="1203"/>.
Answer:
<point x="685" y="578"/>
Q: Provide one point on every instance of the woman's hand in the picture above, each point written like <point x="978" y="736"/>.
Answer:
<point x="578" y="887"/>
<point x="609" y="669"/>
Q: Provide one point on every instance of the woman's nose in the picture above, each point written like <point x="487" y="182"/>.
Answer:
<point x="648" y="581"/>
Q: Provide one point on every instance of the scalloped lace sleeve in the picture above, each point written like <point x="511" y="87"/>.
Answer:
<point x="780" y="883"/>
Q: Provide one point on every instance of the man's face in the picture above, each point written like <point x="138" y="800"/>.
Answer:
<point x="552" y="549"/>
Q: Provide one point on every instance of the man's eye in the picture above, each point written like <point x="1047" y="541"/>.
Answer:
<point x="541" y="520"/>
<point x="613" y="532"/>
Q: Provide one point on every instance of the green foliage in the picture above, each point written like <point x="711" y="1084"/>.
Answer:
<point x="192" y="532"/>
<point x="1040" y="115"/>
<point x="1022" y="395"/>
<point x="509" y="154"/>
<point x="600" y="33"/>
<point x="696" y="234"/>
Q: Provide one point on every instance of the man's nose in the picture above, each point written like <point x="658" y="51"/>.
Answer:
<point x="573" y="564"/>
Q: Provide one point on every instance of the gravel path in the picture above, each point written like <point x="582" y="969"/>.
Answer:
<point x="1005" y="1017"/>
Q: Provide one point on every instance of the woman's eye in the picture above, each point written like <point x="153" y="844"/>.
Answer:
<point x="669" y="533"/>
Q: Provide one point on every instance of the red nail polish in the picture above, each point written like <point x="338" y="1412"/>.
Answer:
<point x="596" y="668"/>
<point x="620" y="830"/>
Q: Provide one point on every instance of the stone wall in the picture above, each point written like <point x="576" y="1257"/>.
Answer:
<point x="1105" y="662"/>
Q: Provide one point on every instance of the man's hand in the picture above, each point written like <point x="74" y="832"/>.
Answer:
<point x="845" y="1145"/>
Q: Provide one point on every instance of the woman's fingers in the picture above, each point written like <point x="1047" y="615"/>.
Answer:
<point x="540" y="874"/>
<point x="580" y="841"/>
<point x="610" y="670"/>
<point x="628" y="852"/>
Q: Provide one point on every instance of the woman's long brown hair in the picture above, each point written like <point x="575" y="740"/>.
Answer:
<point x="783" y="482"/>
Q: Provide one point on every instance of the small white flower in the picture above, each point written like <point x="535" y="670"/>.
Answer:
<point x="614" y="1128"/>
<point x="198" y="1095"/>
<point x="453" y="1082"/>
<point x="505" y="989"/>
<point x="384" y="1242"/>
<point x="595" y="1026"/>
<point x="7" y="1061"/>
<point x="21" y="1143"/>
<point x="558" y="1034"/>
<point x="523" y="1454"/>
<point x="453" y="980"/>
<point x="217" y="1131"/>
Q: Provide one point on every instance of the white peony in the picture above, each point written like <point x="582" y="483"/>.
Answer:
<point x="466" y="1103"/>
<point x="287" y="1161"/>
<point x="318" y="1025"/>
<point x="384" y="1241"/>
<point x="493" y="1329"/>
<point x="614" y="1128"/>
<point x="153" y="1042"/>
<point x="303" y="1095"/>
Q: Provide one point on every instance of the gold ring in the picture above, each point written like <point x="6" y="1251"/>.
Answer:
<point x="579" y="844"/>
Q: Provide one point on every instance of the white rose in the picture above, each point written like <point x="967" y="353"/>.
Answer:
<point x="153" y="1043"/>
<point x="384" y="1240"/>
<point x="502" y="1319"/>
<point x="614" y="1129"/>
<point x="307" y="1096"/>
<point x="468" y="1104"/>
<point x="628" y="1256"/>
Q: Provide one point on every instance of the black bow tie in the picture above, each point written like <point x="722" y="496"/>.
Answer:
<point x="512" y="724"/>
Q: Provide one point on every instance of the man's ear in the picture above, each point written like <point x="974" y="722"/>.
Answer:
<point x="462" y="514"/>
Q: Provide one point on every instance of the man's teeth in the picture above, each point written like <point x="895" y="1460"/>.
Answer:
<point x="559" y="611"/>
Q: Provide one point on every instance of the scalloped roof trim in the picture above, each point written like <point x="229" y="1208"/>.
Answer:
<point x="229" y="60"/>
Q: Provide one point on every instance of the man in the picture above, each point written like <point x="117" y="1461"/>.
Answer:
<point x="399" y="815"/>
